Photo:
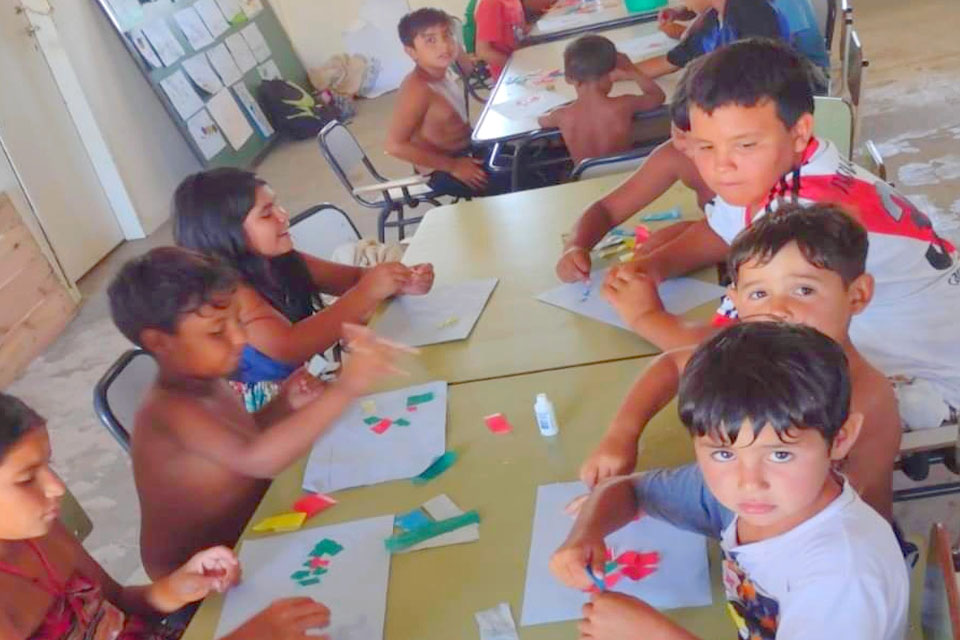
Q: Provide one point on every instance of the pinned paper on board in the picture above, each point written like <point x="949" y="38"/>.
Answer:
<point x="206" y="134"/>
<point x="652" y="560"/>
<point x="232" y="11"/>
<point x="255" y="40"/>
<point x="212" y="17"/>
<point x="679" y="295"/>
<point x="252" y="107"/>
<point x="164" y="42"/>
<point x="269" y="71"/>
<point x="202" y="74"/>
<point x="229" y="118"/>
<point x="530" y="105"/>
<point x="143" y="46"/>
<point x="421" y="320"/>
<point x="181" y="94"/>
<point x="352" y="454"/>
<point x="224" y="64"/>
<point x="647" y="46"/>
<point x="129" y="13"/>
<point x="193" y="28"/>
<point x="240" y="51"/>
<point x="353" y="582"/>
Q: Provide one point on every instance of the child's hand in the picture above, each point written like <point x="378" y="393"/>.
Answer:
<point x="568" y="563"/>
<point x="421" y="280"/>
<point x="673" y="30"/>
<point x="370" y="358"/>
<point x="285" y="619"/>
<point x="624" y="69"/>
<point x="301" y="388"/>
<point x="614" y="456"/>
<point x="384" y="280"/>
<point x="214" y="569"/>
<point x="470" y="172"/>
<point x="632" y="293"/>
<point x="615" y="616"/>
<point x="574" y="265"/>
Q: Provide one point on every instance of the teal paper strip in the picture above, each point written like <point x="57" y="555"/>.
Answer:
<point x="405" y="540"/>
<point x="420" y="399"/>
<point x="371" y="420"/>
<point x="439" y="465"/>
<point x="672" y="214"/>
<point x="401" y="422"/>
<point x="305" y="583"/>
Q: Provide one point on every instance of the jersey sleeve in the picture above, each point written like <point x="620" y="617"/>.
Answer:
<point x="680" y="496"/>
<point x="692" y="45"/>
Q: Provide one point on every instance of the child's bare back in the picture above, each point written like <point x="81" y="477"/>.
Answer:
<point x="597" y="127"/>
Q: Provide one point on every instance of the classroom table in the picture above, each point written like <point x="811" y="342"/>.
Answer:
<point x="493" y="126"/>
<point x="517" y="238"/>
<point x="433" y="593"/>
<point x="596" y="15"/>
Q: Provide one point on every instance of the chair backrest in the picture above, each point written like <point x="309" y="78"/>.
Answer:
<point x="347" y="159"/>
<point x="826" y="11"/>
<point x="118" y="394"/>
<point x="607" y="165"/>
<point x="940" y="606"/>
<point x="321" y="229"/>
<point x="833" y="121"/>
<point x="854" y="64"/>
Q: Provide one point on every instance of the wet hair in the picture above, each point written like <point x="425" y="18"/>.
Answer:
<point x="16" y="420"/>
<point x="588" y="58"/>
<point x="208" y="213"/>
<point x="750" y="71"/>
<point x="155" y="290"/>
<point x="784" y="376"/>
<point x="416" y="22"/>
<point x="827" y="237"/>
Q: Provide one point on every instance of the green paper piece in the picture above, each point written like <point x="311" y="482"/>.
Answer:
<point x="439" y="465"/>
<point x="407" y="539"/>
<point x="327" y="546"/>
<point x="300" y="575"/>
<point x="402" y="422"/>
<point x="304" y="583"/>
<point x="420" y="399"/>
<point x="319" y="571"/>
<point x="609" y="567"/>
<point x="371" y="420"/>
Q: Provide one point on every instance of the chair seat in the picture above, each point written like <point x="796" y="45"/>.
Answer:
<point x="415" y="190"/>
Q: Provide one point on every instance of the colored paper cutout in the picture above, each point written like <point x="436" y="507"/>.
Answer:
<point x="641" y="235"/>
<point x="326" y="547"/>
<point x="419" y="399"/>
<point x="671" y="214"/>
<point x="313" y="504"/>
<point x="402" y="541"/>
<point x="402" y="422"/>
<point x="497" y="423"/>
<point x="282" y="522"/>
<point x="319" y="563"/>
<point x="412" y="520"/>
<point x="382" y="426"/>
<point x="369" y="406"/>
<point x="634" y="565"/>
<point x="412" y="407"/>
<point x="439" y="465"/>
<point x="371" y="420"/>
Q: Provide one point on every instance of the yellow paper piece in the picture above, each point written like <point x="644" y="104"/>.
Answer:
<point x="630" y="243"/>
<point x="627" y="257"/>
<point x="282" y="522"/>
<point x="369" y="407"/>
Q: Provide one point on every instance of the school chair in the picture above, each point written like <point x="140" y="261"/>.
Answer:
<point x="846" y="24"/>
<point x="923" y="447"/>
<point x="833" y="121"/>
<point x="538" y="163"/>
<point x="321" y="229"/>
<point x="826" y="11"/>
<point x="391" y="197"/>
<point x="940" y="600"/>
<point x="119" y="392"/>
<point x="627" y="161"/>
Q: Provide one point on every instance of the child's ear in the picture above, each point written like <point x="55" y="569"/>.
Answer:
<point x="846" y="437"/>
<point x="802" y="131"/>
<point x="732" y="294"/>
<point x="860" y="292"/>
<point x="410" y="51"/>
<point x="155" y="341"/>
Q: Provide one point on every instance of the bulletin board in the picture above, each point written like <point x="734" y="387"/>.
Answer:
<point x="205" y="60"/>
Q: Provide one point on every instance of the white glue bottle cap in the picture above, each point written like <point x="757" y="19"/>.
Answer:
<point x="546" y="416"/>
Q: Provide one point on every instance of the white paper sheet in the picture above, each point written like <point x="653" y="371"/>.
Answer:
<point x="224" y="64"/>
<point x="269" y="71"/>
<point x="440" y="508"/>
<point x="682" y="579"/>
<point x="679" y="295"/>
<point x="145" y="48"/>
<point x="252" y="107"/>
<point x="240" y="51"/>
<point x="643" y="47"/>
<point x="232" y="11"/>
<point x="251" y="7"/>
<point x="129" y="13"/>
<point x="496" y="623"/>
<point x="530" y="105"/>
<point x="181" y="93"/>
<point x="226" y="113"/>
<point x="206" y="134"/>
<point x="447" y="313"/>
<point x="350" y="454"/>
<point x="354" y="587"/>
<point x="202" y="74"/>
<point x="212" y="17"/>
<point x="193" y="28"/>
<point x="252" y="34"/>
<point x="164" y="42"/>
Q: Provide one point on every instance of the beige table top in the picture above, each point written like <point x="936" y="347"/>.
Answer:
<point x="595" y="15"/>
<point x="433" y="594"/>
<point x="493" y="125"/>
<point x="517" y="238"/>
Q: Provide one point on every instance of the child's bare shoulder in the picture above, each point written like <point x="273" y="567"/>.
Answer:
<point x="873" y="396"/>
<point x="413" y="87"/>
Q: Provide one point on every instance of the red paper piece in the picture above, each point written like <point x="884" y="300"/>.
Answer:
<point x="641" y="234"/>
<point x="381" y="426"/>
<point x="412" y="407"/>
<point x="638" y="572"/>
<point x="497" y="423"/>
<point x="313" y="503"/>
<point x="318" y="562"/>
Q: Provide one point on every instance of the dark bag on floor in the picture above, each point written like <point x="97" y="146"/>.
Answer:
<point x="292" y="110"/>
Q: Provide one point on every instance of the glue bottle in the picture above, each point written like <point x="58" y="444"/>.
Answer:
<point x="546" y="416"/>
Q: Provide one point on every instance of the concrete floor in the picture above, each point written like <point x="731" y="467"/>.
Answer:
<point x="911" y="88"/>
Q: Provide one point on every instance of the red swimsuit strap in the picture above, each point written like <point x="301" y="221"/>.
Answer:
<point x="52" y="585"/>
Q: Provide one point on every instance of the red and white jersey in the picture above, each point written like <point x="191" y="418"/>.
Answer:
<point x="906" y="329"/>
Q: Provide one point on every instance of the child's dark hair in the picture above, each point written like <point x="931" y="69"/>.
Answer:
<point x="16" y="419"/>
<point x="827" y="237"/>
<point x="748" y="72"/>
<point x="416" y="22"/>
<point x="588" y="58"/>
<point x="772" y="374"/>
<point x="679" y="109"/>
<point x="208" y="213"/>
<point x="156" y="289"/>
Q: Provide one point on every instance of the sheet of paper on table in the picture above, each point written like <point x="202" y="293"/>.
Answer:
<point x="351" y="581"/>
<point x="360" y="449"/>
<point x="679" y="295"/>
<point x="682" y="578"/>
<point x="648" y="46"/>
<point x="449" y="312"/>
<point x="530" y="105"/>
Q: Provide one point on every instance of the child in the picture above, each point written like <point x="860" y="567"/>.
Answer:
<point x="429" y="127"/>
<point x="767" y="405"/>
<point x="233" y="215"/>
<point x="51" y="586"/>
<point x="751" y="118"/>
<point x="800" y="266"/>
<point x="500" y="24"/>
<point x="595" y="124"/>
<point x="200" y="461"/>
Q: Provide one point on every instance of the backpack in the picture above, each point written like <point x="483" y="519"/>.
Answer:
<point x="292" y="110"/>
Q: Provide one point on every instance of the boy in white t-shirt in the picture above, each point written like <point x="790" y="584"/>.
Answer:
<point x="803" y="555"/>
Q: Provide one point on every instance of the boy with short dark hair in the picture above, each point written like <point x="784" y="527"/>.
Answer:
<point x="596" y="124"/>
<point x="767" y="405"/>
<point x="429" y="127"/>
<point x="200" y="461"/>
<point x="799" y="265"/>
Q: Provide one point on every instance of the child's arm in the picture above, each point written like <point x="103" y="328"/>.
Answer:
<point x="493" y="56"/>
<point x="652" y="391"/>
<point x="656" y="67"/>
<point x="696" y="247"/>
<point x="551" y="119"/>
<point x="336" y="279"/>
<point x="653" y="96"/>
<point x="617" y="616"/>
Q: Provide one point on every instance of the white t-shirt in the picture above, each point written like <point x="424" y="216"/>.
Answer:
<point x="907" y="329"/>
